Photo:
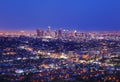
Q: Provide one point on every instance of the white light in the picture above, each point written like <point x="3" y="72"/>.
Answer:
<point x="18" y="58"/>
<point x="48" y="53"/>
<point x="19" y="71"/>
<point x="75" y="31"/>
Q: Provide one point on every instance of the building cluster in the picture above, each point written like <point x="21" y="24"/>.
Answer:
<point x="76" y="35"/>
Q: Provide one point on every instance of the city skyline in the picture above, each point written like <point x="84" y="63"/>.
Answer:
<point x="59" y="40"/>
<point x="80" y="15"/>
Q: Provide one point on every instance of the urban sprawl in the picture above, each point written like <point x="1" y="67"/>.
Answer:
<point x="59" y="56"/>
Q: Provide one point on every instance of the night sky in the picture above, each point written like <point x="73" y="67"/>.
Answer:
<point x="87" y="15"/>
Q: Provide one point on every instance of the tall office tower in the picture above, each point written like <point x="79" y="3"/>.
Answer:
<point x="56" y="34"/>
<point x="75" y="33"/>
<point x="42" y="33"/>
<point x="49" y="31"/>
<point x="66" y="32"/>
<point x="38" y="32"/>
<point x="49" y="28"/>
<point x="60" y="33"/>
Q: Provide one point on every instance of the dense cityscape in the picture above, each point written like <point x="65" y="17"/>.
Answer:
<point x="60" y="56"/>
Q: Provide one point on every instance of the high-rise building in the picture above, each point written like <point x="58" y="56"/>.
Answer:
<point x="40" y="33"/>
<point x="60" y="33"/>
<point x="49" y="28"/>
<point x="49" y="31"/>
<point x="75" y="33"/>
<point x="56" y="33"/>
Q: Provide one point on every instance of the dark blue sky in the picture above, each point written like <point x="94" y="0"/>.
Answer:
<point x="72" y="14"/>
